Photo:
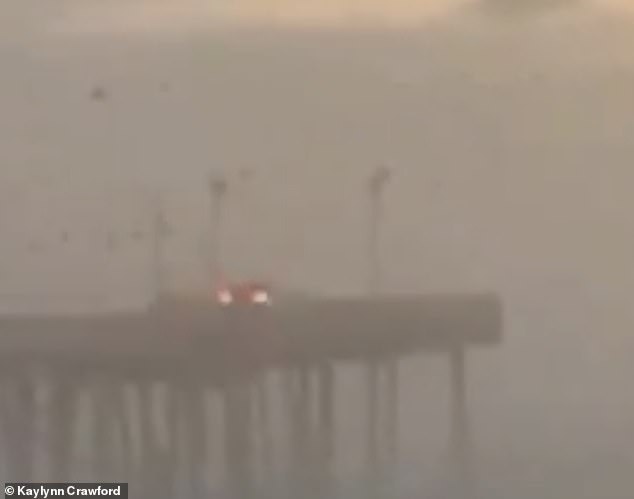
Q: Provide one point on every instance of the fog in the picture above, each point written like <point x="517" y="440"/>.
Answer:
<point x="507" y="133"/>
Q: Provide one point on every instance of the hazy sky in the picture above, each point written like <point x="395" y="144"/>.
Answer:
<point x="509" y="134"/>
<point x="170" y="16"/>
<point x="153" y="16"/>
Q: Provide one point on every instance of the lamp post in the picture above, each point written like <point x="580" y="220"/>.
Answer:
<point x="376" y="187"/>
<point x="160" y="230"/>
<point x="218" y="187"/>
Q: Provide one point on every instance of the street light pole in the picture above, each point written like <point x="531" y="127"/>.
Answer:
<point x="218" y="186"/>
<point x="160" y="231"/>
<point x="376" y="187"/>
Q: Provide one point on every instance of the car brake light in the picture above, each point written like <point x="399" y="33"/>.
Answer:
<point x="260" y="297"/>
<point x="225" y="297"/>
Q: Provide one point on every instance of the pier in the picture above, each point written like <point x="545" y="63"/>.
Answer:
<point x="196" y="401"/>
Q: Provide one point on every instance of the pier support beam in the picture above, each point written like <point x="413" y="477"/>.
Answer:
<point x="460" y="432"/>
<point x="238" y="440"/>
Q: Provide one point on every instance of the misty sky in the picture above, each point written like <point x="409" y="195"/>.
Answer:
<point x="69" y="17"/>
<point x="508" y="133"/>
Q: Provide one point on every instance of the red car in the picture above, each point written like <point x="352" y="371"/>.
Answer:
<point x="243" y="293"/>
